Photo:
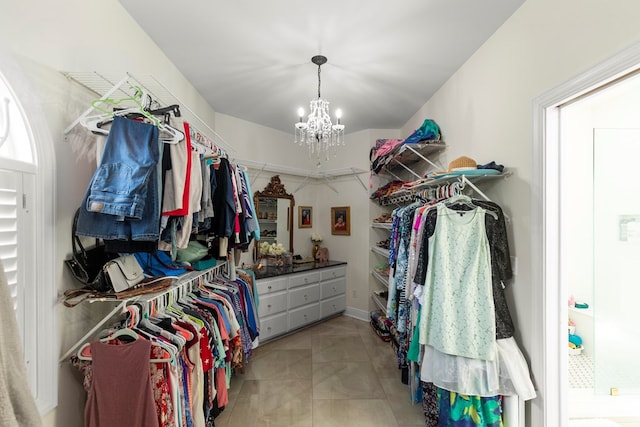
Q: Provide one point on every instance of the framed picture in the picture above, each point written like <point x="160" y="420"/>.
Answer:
<point x="341" y="220"/>
<point x="304" y="216"/>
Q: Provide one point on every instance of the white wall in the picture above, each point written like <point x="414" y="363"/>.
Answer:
<point x="485" y="111"/>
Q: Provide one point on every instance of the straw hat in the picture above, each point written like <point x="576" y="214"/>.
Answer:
<point x="462" y="163"/>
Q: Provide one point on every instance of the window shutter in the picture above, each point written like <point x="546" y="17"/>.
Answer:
<point x="10" y="196"/>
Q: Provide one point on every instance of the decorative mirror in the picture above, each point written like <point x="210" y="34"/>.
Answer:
<point x="274" y="209"/>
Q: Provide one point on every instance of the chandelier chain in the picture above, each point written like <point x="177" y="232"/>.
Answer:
<point x="319" y="81"/>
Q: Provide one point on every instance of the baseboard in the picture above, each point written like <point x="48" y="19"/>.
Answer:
<point x="356" y="313"/>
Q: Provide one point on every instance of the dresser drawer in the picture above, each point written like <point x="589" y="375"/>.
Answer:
<point x="331" y="288"/>
<point x="304" y="279"/>
<point x="273" y="326"/>
<point x="332" y="306"/>
<point x="303" y="316"/>
<point x="267" y="286"/>
<point x="333" y="273"/>
<point x="272" y="304"/>
<point x="304" y="295"/>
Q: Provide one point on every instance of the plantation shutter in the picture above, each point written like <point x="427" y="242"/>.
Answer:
<point x="10" y="196"/>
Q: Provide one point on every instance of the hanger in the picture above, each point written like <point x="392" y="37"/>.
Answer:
<point x="136" y="99"/>
<point x="464" y="200"/>
<point x="85" y="351"/>
<point x="175" y="109"/>
<point x="94" y="123"/>
<point x="217" y="284"/>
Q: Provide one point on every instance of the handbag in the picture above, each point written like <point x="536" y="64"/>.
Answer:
<point x="123" y="272"/>
<point x="86" y="264"/>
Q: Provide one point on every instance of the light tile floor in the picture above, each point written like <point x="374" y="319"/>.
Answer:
<point x="336" y="373"/>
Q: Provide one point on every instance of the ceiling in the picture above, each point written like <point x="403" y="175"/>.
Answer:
<point x="251" y="59"/>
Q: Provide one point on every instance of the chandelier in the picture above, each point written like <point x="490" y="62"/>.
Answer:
<point x="318" y="133"/>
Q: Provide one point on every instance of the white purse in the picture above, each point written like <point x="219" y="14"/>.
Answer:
<point x="124" y="272"/>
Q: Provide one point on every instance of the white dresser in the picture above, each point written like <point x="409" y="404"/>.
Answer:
<point x="293" y="300"/>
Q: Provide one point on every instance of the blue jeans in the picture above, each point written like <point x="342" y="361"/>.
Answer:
<point x="123" y="198"/>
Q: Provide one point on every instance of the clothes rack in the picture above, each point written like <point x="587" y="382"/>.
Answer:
<point x="185" y="283"/>
<point x="104" y="86"/>
<point x="320" y="176"/>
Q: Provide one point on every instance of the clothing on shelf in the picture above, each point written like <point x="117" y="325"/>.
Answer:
<point x="170" y="362"/>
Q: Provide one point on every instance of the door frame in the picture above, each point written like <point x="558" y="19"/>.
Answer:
<point x="550" y="308"/>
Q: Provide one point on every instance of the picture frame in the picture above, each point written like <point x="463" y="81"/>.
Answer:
<point x="305" y="216"/>
<point x="341" y="220"/>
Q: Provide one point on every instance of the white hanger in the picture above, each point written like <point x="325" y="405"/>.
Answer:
<point x="85" y="351"/>
<point x="170" y="135"/>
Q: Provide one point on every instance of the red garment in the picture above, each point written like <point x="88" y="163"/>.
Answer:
<point x="160" y="385"/>
<point x="206" y="355"/>
<point x="121" y="392"/>
<point x="221" y="387"/>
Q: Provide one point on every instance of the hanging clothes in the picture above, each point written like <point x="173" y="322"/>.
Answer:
<point x="122" y="202"/>
<point x="449" y="266"/>
<point x="457" y="305"/>
<point x="121" y="392"/>
<point x="208" y="335"/>
<point x="458" y="410"/>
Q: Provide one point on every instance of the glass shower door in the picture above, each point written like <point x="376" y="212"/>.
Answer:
<point x="616" y="261"/>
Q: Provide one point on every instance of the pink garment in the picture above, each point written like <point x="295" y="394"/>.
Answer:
<point x="221" y="387"/>
<point x="389" y="145"/>
<point x="121" y="393"/>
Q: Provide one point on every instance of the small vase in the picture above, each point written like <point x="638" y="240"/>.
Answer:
<point x="314" y="250"/>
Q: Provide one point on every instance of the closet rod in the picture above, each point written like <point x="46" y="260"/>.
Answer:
<point x="186" y="280"/>
<point x="119" y="308"/>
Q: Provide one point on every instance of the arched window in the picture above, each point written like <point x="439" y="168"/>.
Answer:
<point x="27" y="230"/>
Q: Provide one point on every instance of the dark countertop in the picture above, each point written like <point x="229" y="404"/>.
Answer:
<point x="267" y="272"/>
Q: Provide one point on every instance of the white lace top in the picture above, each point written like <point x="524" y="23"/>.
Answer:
<point x="458" y="316"/>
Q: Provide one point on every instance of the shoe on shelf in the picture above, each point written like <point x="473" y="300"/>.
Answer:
<point x="385" y="217"/>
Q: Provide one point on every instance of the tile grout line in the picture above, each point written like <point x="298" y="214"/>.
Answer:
<point x="386" y="396"/>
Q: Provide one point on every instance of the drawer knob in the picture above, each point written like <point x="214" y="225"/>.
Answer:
<point x="305" y="296"/>
<point x="268" y="328"/>
<point x="306" y="280"/>
<point x="269" y="306"/>
<point x="334" y="288"/>
<point x="269" y="287"/>
<point x="305" y="315"/>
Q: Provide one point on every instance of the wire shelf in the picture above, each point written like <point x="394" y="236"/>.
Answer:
<point x="119" y="86"/>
